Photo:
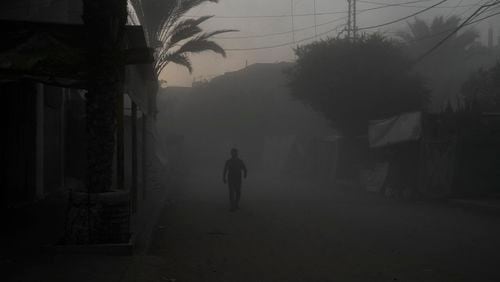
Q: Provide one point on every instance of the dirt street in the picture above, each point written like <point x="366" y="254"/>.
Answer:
<point x="298" y="231"/>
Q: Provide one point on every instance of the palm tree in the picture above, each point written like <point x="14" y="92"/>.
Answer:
<point x="421" y="36"/>
<point x="105" y="25"/>
<point x="173" y="37"/>
<point x="449" y="65"/>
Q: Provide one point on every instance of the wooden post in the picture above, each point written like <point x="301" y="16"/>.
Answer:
<point x="134" y="156"/>
<point x="144" y="154"/>
<point x="39" y="170"/>
<point x="62" y="138"/>
<point x="120" y="146"/>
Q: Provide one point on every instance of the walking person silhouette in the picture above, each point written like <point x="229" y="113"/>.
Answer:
<point x="232" y="176"/>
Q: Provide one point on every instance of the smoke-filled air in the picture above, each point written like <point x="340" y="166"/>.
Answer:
<point x="250" y="141"/>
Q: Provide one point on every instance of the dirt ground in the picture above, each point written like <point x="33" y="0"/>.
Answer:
<point x="299" y="231"/>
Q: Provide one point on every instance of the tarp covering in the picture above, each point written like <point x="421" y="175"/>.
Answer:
<point x="402" y="128"/>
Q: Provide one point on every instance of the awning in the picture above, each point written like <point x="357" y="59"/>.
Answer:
<point x="54" y="53"/>
<point x="401" y="128"/>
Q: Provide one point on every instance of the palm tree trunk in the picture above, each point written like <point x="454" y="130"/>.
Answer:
<point x="105" y="24"/>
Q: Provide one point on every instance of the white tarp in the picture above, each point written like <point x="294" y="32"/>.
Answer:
<point x="402" y="128"/>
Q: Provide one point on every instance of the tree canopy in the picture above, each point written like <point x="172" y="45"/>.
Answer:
<point x="482" y="89"/>
<point x="421" y="36"/>
<point x="353" y="81"/>
<point x="447" y="67"/>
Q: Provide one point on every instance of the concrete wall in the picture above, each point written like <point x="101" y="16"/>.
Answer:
<point x="53" y="139"/>
<point x="17" y="145"/>
<point x="65" y="11"/>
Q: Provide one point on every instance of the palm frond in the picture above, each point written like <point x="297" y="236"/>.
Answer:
<point x="404" y="36"/>
<point x="137" y="6"/>
<point x="182" y="8"/>
<point x="423" y="33"/>
<point x="199" y="45"/>
<point x="187" y="5"/>
<point x="176" y="58"/>
<point x="158" y="15"/>
<point x="186" y="29"/>
<point x="419" y="29"/>
<point x="207" y="35"/>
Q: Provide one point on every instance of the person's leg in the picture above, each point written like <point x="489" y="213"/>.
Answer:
<point x="237" y="190"/>
<point x="232" y="196"/>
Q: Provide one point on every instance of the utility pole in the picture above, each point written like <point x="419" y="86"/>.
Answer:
<point x="354" y="27"/>
<point x="315" y="25"/>
<point x="293" y="27"/>
<point x="351" y="19"/>
<point x="349" y="13"/>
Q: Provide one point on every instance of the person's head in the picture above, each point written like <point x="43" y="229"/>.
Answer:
<point x="234" y="152"/>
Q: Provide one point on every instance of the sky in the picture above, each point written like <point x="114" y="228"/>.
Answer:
<point x="262" y="19"/>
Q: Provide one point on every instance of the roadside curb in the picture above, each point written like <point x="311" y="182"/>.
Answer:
<point x="484" y="205"/>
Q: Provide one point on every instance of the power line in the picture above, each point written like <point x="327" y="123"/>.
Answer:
<point x="446" y="30"/>
<point x="449" y="30"/>
<point x="439" y="33"/>
<point x="454" y="9"/>
<point x="335" y="29"/>
<point x="283" y="44"/>
<point x="270" y="16"/>
<point x="308" y="38"/>
<point x="383" y="6"/>
<point x="489" y="8"/>
<point x="283" y="32"/>
<point x="421" y="1"/>
<point x="464" y="23"/>
<point x="309" y="27"/>
<point x="275" y="16"/>
<point x="478" y="3"/>
<point x="364" y="28"/>
<point x="403" y="18"/>
<point x="484" y="18"/>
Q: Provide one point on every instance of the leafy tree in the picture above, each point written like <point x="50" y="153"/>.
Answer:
<point x="448" y="66"/>
<point x="351" y="82"/>
<point x="173" y="37"/>
<point x="482" y="89"/>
